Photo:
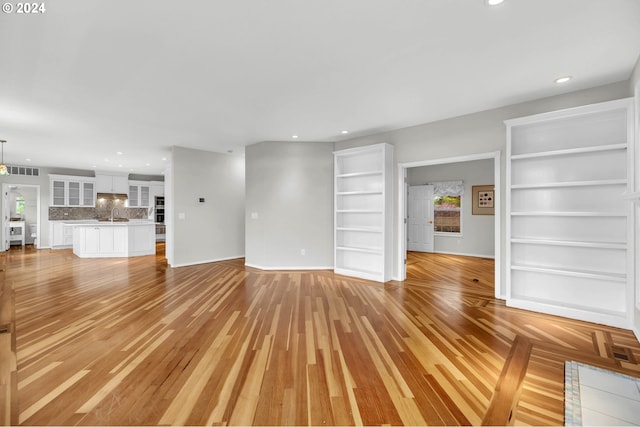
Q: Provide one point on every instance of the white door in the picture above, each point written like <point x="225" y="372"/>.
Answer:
<point x="420" y="229"/>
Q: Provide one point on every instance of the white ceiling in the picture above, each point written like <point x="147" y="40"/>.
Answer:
<point x="88" y="78"/>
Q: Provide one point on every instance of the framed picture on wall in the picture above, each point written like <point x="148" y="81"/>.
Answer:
<point x="483" y="199"/>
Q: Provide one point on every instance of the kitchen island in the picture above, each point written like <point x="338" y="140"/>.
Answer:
<point x="109" y="239"/>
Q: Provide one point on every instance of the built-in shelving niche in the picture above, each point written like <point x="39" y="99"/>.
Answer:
<point x="568" y="223"/>
<point x="363" y="197"/>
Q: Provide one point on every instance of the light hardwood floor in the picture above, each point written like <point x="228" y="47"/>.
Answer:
<point x="132" y="342"/>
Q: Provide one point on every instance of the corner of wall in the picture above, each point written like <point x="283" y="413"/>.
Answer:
<point x="634" y="80"/>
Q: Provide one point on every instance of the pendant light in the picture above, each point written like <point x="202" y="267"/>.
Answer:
<point x="3" y="168"/>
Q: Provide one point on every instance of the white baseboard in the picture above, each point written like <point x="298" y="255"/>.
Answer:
<point x="297" y="267"/>
<point x="465" y="254"/>
<point x="572" y="313"/>
<point x="206" y="261"/>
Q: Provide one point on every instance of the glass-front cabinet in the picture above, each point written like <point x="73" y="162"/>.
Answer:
<point x="67" y="190"/>
<point x="139" y="194"/>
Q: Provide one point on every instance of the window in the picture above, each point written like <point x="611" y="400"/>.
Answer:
<point x="20" y="206"/>
<point x="446" y="214"/>
<point x="447" y="207"/>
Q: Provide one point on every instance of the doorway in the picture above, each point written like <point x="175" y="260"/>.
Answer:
<point x="402" y="214"/>
<point x="20" y="215"/>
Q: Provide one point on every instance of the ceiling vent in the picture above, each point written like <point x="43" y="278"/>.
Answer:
<point x="23" y="170"/>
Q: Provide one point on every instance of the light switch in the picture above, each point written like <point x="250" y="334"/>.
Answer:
<point x="254" y="215"/>
<point x="181" y="215"/>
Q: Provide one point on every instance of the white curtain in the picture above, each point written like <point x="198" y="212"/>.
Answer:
<point x="448" y="188"/>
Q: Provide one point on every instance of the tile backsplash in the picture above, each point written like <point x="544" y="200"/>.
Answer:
<point x="102" y="210"/>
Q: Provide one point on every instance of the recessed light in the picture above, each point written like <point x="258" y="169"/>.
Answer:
<point x="27" y="160"/>
<point x="563" y="79"/>
<point x="164" y="158"/>
<point x="147" y="164"/>
<point x="119" y="153"/>
<point x="494" y="2"/>
<point x="119" y="166"/>
<point x="294" y="136"/>
<point x="344" y="132"/>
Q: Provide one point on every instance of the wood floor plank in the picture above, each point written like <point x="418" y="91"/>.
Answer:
<point x="133" y="342"/>
<point x="507" y="390"/>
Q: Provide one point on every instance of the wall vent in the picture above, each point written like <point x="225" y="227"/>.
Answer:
<point x="23" y="170"/>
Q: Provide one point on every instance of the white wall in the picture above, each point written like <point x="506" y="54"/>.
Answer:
<point x="476" y="133"/>
<point x="289" y="205"/>
<point x="213" y="230"/>
<point x="477" y="230"/>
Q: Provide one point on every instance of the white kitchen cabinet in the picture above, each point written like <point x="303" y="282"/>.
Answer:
<point x="68" y="190"/>
<point x="88" y="193"/>
<point x="112" y="183"/>
<point x="90" y="240"/>
<point x="141" y="239"/>
<point x="108" y="240"/>
<point x="157" y="189"/>
<point x="568" y="224"/>
<point x="363" y="220"/>
<point x="139" y="194"/>
<point x="58" y="192"/>
<point x="73" y="196"/>
<point x="101" y="240"/>
<point x="61" y="236"/>
<point x="56" y="237"/>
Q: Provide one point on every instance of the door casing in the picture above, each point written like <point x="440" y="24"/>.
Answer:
<point x="499" y="287"/>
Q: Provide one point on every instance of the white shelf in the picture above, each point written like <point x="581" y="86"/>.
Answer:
<point x="359" y="174"/>
<point x="367" y="211"/>
<point x="575" y="244"/>
<point x="361" y="229"/>
<point x="362" y="203"/>
<point x="377" y="251"/>
<point x="574" y="214"/>
<point x="615" y="277"/>
<point x="358" y="193"/>
<point x="593" y="183"/>
<point x="571" y="151"/>
<point x="568" y="226"/>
